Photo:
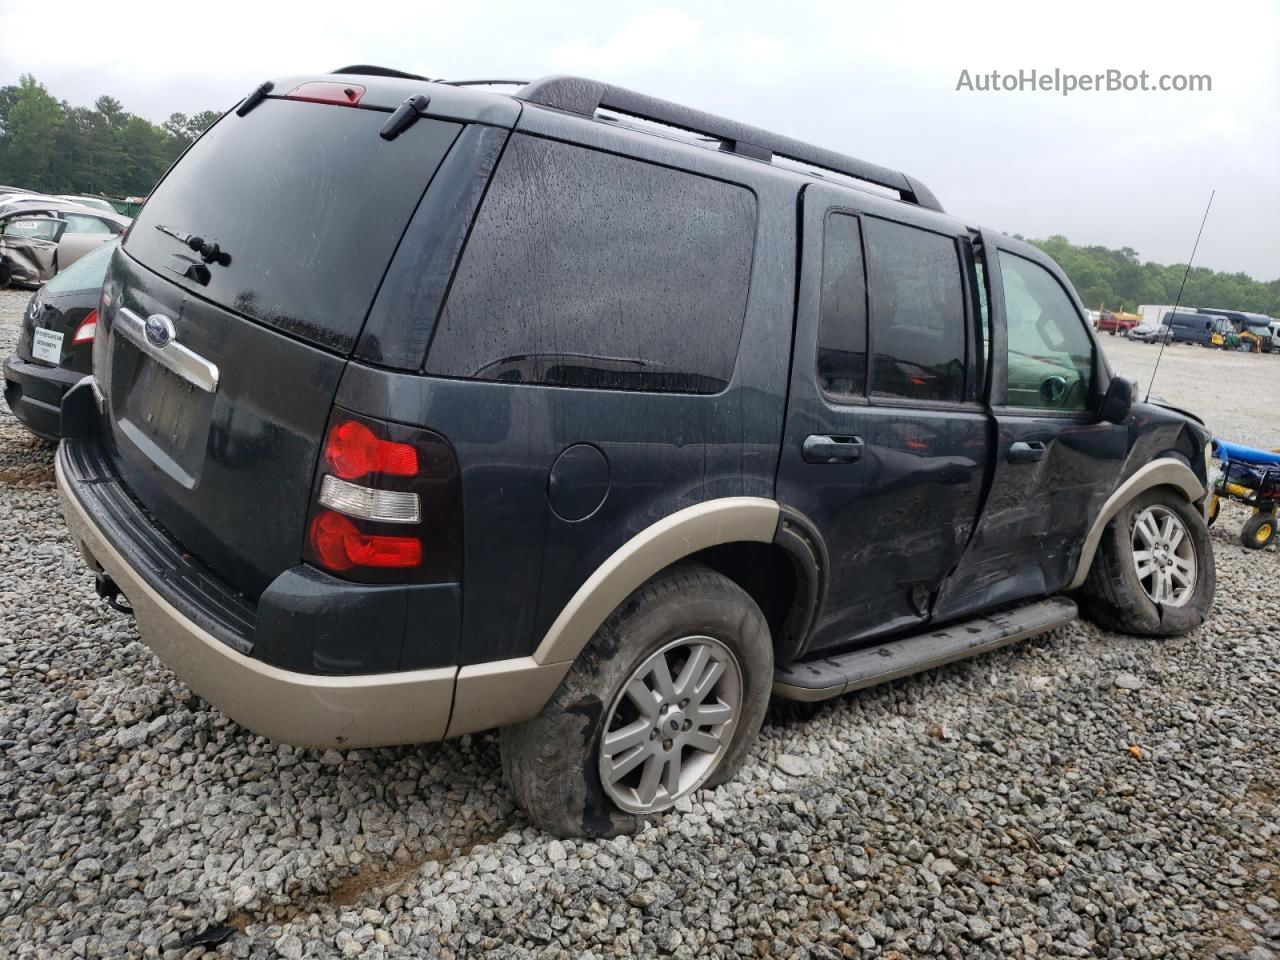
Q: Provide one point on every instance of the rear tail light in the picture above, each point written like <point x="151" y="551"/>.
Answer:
<point x="389" y="506"/>
<point x="88" y="327"/>
<point x="341" y="545"/>
<point x="352" y="451"/>
<point x="402" y="522"/>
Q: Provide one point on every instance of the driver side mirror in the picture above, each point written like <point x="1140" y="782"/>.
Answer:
<point x="1117" y="401"/>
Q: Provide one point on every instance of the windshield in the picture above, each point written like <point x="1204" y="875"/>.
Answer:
<point x="307" y="203"/>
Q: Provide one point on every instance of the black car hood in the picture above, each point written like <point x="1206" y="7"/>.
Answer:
<point x="1161" y="402"/>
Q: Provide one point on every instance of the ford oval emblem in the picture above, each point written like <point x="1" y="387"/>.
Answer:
<point x="159" y="330"/>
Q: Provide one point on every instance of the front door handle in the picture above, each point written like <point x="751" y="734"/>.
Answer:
<point x="1026" y="451"/>
<point x="822" y="448"/>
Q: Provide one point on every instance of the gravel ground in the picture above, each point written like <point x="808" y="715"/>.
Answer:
<point x="1083" y="794"/>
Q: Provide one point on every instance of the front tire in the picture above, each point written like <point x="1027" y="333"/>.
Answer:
<point x="1154" y="573"/>
<point x="666" y="698"/>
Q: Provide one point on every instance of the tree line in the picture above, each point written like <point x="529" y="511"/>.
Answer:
<point x="50" y="146"/>
<point x="1119" y="280"/>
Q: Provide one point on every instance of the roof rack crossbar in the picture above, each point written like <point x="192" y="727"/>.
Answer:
<point x="583" y="96"/>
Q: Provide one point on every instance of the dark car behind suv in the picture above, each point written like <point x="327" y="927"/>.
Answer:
<point x="55" y="347"/>
<point x="419" y="410"/>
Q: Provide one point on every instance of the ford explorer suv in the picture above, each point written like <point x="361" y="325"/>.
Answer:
<point x="419" y="410"/>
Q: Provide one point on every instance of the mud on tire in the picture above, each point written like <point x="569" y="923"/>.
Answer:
<point x="551" y="763"/>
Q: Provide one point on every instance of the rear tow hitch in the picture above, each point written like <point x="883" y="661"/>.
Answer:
<point x="109" y="592"/>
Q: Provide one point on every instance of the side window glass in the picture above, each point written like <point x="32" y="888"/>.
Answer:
<point x="842" y="311"/>
<point x="1050" y="353"/>
<point x="917" y="313"/>
<point x="38" y="228"/>
<point x="79" y="223"/>
<point x="586" y="269"/>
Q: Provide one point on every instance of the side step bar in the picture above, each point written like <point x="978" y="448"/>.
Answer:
<point x="826" y="677"/>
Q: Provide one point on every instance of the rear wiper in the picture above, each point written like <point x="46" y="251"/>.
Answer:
<point x="209" y="250"/>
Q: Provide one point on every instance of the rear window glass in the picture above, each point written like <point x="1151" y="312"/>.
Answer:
<point x="309" y="203"/>
<point x="87" y="273"/>
<point x="586" y="269"/>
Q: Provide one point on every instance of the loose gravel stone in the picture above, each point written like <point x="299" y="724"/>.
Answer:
<point x="1023" y="804"/>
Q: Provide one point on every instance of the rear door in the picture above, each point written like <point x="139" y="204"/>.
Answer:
<point x="1055" y="460"/>
<point x="219" y="376"/>
<point x="886" y="442"/>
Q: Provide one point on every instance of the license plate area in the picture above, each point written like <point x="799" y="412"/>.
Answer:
<point x="46" y="345"/>
<point x="165" y="416"/>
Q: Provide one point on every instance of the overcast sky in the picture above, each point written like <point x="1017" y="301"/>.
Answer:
<point x="877" y="80"/>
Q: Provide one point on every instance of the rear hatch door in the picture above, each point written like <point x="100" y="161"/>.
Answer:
<point x="219" y="366"/>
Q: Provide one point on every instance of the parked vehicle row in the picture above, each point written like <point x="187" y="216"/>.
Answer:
<point x="599" y="436"/>
<point x="41" y="235"/>
<point x="1210" y="327"/>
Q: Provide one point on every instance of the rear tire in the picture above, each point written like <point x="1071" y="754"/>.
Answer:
<point x="554" y="762"/>
<point x="1123" y="591"/>
<point x="1258" y="531"/>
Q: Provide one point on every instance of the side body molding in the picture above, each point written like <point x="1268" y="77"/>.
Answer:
<point x="1164" y="472"/>
<point x="660" y="545"/>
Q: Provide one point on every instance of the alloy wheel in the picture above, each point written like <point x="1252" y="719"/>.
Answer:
<point x="670" y="724"/>
<point x="1164" y="556"/>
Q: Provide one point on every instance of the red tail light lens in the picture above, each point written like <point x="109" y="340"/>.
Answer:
<point x="340" y="545"/>
<point x="353" y="451"/>
<point x="88" y="327"/>
<point x="323" y="91"/>
<point x="386" y="504"/>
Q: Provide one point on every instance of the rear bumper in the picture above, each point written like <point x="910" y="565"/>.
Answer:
<point x="34" y="393"/>
<point x="307" y="709"/>
<point x="375" y="709"/>
<point x="299" y="708"/>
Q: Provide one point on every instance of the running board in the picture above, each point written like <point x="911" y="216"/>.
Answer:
<point x="826" y="677"/>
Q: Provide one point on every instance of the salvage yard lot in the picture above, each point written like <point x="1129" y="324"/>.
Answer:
<point x="1082" y="794"/>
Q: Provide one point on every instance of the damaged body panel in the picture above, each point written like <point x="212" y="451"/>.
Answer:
<point x="29" y="249"/>
<point x="40" y="236"/>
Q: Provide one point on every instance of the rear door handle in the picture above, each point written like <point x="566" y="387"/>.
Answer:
<point x="1025" y="451"/>
<point x="822" y="448"/>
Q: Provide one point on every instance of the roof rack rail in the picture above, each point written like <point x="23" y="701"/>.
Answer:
<point x="369" y="70"/>
<point x="485" y="83"/>
<point x="583" y="96"/>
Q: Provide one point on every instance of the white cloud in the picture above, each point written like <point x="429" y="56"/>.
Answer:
<point x="873" y="79"/>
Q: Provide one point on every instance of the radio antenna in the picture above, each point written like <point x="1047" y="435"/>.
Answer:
<point x="1178" y="300"/>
